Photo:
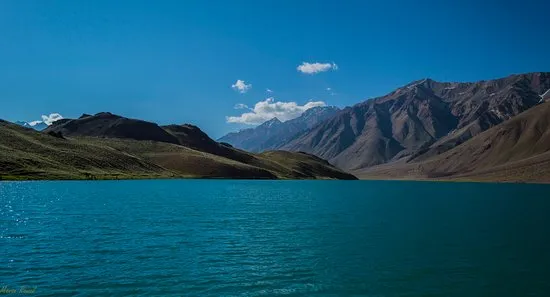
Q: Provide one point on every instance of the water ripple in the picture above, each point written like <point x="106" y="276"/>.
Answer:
<point x="274" y="238"/>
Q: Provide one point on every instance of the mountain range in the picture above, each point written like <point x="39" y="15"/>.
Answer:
<point x="109" y="146"/>
<point x="496" y="130"/>
<point x="273" y="133"/>
<point x="37" y="125"/>
<point x="419" y="122"/>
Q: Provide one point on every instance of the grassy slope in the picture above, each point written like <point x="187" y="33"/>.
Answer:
<point x="234" y="163"/>
<point x="516" y="150"/>
<point x="302" y="165"/>
<point x="26" y="154"/>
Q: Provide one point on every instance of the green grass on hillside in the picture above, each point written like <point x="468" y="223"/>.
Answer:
<point x="27" y="154"/>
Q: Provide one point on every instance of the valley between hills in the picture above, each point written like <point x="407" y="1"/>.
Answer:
<point x="494" y="130"/>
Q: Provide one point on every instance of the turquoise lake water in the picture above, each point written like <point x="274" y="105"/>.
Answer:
<point x="275" y="238"/>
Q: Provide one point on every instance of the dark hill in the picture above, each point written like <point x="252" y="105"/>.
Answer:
<point x="192" y="136"/>
<point x="108" y="125"/>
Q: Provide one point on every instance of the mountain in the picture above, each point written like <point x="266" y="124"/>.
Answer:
<point x="37" y="125"/>
<point x="108" y="146"/>
<point x="254" y="139"/>
<point x="108" y="125"/>
<point x="274" y="133"/>
<point x="420" y="120"/>
<point x="516" y="150"/>
<point x="28" y="154"/>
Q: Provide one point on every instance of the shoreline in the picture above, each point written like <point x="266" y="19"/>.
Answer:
<point x="404" y="179"/>
<point x="4" y="179"/>
<point x="456" y="180"/>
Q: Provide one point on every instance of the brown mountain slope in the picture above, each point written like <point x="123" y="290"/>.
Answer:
<point x="419" y="120"/>
<point x="516" y="150"/>
<point x="108" y="125"/>
<point x="27" y="154"/>
<point x="193" y="137"/>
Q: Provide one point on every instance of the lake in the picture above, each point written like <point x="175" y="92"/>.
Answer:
<point x="274" y="238"/>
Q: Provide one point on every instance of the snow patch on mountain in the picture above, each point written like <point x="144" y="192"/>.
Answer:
<point x="36" y="125"/>
<point x="46" y="121"/>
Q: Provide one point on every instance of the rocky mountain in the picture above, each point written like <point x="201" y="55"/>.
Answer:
<point x="38" y="125"/>
<point x="516" y="150"/>
<point x="254" y="139"/>
<point x="108" y="146"/>
<point x="274" y="133"/>
<point x="422" y="119"/>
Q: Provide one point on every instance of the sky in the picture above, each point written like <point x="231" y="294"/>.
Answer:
<point x="227" y="65"/>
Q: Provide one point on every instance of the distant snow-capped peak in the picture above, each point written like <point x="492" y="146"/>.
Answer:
<point x="36" y="125"/>
<point x="272" y="122"/>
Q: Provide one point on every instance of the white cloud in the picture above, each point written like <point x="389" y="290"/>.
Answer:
<point x="328" y="89"/>
<point x="313" y="68"/>
<point x="269" y="108"/>
<point x="269" y="90"/>
<point x="34" y="123"/>
<point x="49" y="119"/>
<point x="241" y="86"/>
<point x="241" y="106"/>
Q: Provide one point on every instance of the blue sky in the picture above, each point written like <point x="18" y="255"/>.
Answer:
<point x="176" y="61"/>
